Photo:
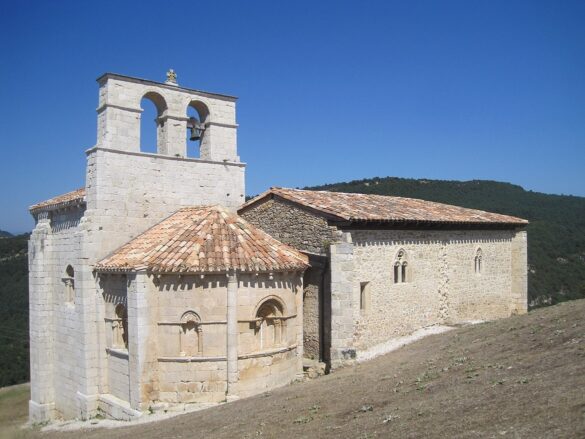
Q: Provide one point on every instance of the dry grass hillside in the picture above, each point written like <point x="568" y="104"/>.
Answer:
<point x="522" y="377"/>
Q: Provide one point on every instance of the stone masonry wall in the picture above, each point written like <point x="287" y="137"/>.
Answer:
<point x="128" y="193"/>
<point x="283" y="363"/>
<point x="442" y="285"/>
<point x="192" y="367"/>
<point x="65" y="250"/>
<point x="292" y="225"/>
<point x="311" y="313"/>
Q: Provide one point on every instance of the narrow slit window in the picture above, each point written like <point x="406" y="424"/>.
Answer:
<point x="396" y="273"/>
<point x="364" y="296"/>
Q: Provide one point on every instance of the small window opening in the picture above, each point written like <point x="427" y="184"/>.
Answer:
<point x="364" y="296"/>
<point x="397" y="273"/>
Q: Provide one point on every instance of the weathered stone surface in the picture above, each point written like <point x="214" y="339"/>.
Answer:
<point x="441" y="282"/>
<point x="121" y="342"/>
<point x="292" y="225"/>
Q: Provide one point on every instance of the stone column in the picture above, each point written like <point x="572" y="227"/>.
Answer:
<point x="172" y="135"/>
<point x="42" y="391"/>
<point x="519" y="293"/>
<point x="342" y="303"/>
<point x="232" y="335"/>
<point x="138" y="336"/>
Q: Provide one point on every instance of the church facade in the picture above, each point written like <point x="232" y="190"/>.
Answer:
<point x="383" y="267"/>
<point x="148" y="290"/>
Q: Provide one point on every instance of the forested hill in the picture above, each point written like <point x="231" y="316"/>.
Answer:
<point x="14" y="310"/>
<point x="4" y="234"/>
<point x="556" y="234"/>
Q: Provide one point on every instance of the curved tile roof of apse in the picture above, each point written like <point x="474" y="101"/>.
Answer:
<point x="380" y="208"/>
<point x="70" y="198"/>
<point x="205" y="239"/>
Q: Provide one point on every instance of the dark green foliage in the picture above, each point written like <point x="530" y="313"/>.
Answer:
<point x="556" y="234"/>
<point x="4" y="234"/>
<point x="13" y="310"/>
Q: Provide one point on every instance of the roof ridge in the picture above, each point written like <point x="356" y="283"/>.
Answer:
<point x="357" y="207"/>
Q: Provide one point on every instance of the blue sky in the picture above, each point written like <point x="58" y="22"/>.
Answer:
<point x="328" y="91"/>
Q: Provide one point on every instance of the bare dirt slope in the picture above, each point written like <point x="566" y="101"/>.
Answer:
<point x="522" y="377"/>
<point x="13" y="410"/>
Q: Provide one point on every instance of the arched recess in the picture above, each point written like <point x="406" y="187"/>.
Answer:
<point x="401" y="267"/>
<point x="153" y="137"/>
<point x="120" y="327"/>
<point x="197" y="139"/>
<point x="270" y="327"/>
<point x="190" y="340"/>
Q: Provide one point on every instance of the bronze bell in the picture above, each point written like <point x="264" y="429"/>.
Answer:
<point x="196" y="129"/>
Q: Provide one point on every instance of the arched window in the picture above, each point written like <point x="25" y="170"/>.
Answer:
<point x="120" y="327"/>
<point x="198" y="116"/>
<point x="190" y="334"/>
<point x="397" y="272"/>
<point x="478" y="261"/>
<point x="153" y="136"/>
<point x="401" y="271"/>
<point x="270" y="328"/>
<point x="69" y="285"/>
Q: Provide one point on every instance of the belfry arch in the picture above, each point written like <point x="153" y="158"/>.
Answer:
<point x="148" y="142"/>
<point x="197" y="120"/>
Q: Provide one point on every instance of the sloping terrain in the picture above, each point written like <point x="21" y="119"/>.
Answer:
<point x="521" y="377"/>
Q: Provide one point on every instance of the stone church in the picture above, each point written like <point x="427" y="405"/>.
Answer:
<point x="156" y="285"/>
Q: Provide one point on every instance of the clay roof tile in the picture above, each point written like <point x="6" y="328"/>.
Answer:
<point x="204" y="239"/>
<point x="353" y="207"/>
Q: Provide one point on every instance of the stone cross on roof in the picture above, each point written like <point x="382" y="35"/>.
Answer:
<point x="171" y="77"/>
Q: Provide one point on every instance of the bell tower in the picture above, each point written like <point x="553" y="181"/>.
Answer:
<point x="119" y="117"/>
<point x="127" y="191"/>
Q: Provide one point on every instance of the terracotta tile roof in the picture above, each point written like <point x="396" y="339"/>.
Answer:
<point x="204" y="239"/>
<point x="70" y="198"/>
<point x="379" y="208"/>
